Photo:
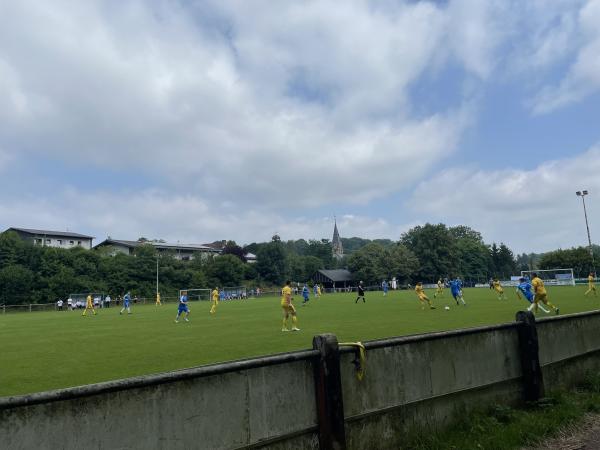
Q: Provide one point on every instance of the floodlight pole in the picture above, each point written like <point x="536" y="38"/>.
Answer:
<point x="582" y="194"/>
<point x="157" y="273"/>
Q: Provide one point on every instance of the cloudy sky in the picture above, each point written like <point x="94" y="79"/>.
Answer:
<point x="194" y="121"/>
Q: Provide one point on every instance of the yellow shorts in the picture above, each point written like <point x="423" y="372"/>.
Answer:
<point x="499" y="290"/>
<point x="423" y="298"/>
<point x="540" y="298"/>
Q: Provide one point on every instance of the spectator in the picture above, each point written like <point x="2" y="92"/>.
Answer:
<point x="107" y="301"/>
<point x="59" y="304"/>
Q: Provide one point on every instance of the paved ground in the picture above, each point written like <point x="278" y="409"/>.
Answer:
<point x="583" y="436"/>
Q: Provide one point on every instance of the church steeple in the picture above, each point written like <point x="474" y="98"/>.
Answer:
<point x="336" y="242"/>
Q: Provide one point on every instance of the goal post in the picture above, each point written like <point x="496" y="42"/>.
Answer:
<point x="196" y="294"/>
<point x="553" y="277"/>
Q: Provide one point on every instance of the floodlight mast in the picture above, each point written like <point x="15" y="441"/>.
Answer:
<point x="582" y="194"/>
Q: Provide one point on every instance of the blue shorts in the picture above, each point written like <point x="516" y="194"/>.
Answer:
<point x="455" y="294"/>
<point x="125" y="304"/>
<point x="305" y="297"/>
<point x="183" y="308"/>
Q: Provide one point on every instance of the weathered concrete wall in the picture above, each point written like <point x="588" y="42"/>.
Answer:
<point x="428" y="382"/>
<point x="223" y="411"/>
<point x="569" y="347"/>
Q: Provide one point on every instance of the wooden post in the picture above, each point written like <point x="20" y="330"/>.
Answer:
<point x="533" y="382"/>
<point x="328" y="388"/>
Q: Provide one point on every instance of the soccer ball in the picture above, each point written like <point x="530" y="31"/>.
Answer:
<point x="447" y="308"/>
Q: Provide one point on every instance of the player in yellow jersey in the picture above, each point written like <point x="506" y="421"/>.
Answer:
<point x="591" y="284"/>
<point x="422" y="296"/>
<point x="318" y="291"/>
<point x="288" y="308"/>
<point x="440" y="289"/>
<point x="158" y="303"/>
<point x="540" y="294"/>
<point x="214" y="298"/>
<point x="89" y="305"/>
<point x="499" y="289"/>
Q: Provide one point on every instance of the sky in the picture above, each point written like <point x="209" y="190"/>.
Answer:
<point x="196" y="121"/>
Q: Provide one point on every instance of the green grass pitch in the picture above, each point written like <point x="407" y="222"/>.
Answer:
<point x="50" y="350"/>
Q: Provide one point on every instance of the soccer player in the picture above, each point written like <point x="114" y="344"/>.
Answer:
<point x="158" y="303"/>
<point x="126" y="302"/>
<point x="288" y="308"/>
<point x="591" y="284"/>
<point x="89" y="305"/>
<point x="305" y="296"/>
<point x="319" y="290"/>
<point x="540" y="294"/>
<point x="183" y="307"/>
<point x="456" y="291"/>
<point x="524" y="288"/>
<point x="440" y="289"/>
<point x="384" y="287"/>
<point x="499" y="289"/>
<point x="422" y="296"/>
<point x="215" y="300"/>
<point x="361" y="293"/>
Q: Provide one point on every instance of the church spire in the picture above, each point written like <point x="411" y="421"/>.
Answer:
<point x="336" y="242"/>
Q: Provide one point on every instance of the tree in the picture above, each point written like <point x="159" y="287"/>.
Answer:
<point x="434" y="247"/>
<point x="398" y="261"/>
<point x="365" y="264"/>
<point x="231" y="248"/>
<point x="271" y="261"/>
<point x="16" y="284"/>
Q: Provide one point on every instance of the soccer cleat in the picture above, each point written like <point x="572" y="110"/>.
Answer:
<point x="295" y="329"/>
<point x="557" y="311"/>
<point x="176" y="321"/>
<point x="186" y="319"/>
<point x="432" y="307"/>
<point x="284" y="329"/>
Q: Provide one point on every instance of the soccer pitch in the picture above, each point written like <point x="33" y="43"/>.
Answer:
<point x="50" y="350"/>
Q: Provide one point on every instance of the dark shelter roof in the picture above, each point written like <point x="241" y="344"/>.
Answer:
<point x="336" y="275"/>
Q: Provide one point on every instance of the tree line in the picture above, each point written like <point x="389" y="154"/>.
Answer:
<point x="35" y="274"/>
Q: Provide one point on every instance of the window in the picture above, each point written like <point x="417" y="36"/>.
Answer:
<point x="78" y="242"/>
<point x="48" y="241"/>
<point x="37" y="241"/>
<point x="71" y="242"/>
<point x="59" y="241"/>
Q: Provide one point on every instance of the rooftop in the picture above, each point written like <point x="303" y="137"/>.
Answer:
<point x="51" y="233"/>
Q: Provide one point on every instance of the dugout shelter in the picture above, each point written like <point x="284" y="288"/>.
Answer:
<point x="336" y="278"/>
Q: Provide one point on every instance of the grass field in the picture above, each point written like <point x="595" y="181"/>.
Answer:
<point x="50" y="350"/>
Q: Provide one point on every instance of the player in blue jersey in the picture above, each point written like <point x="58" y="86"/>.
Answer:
<point x="456" y="290"/>
<point x="305" y="297"/>
<point x="183" y="307"/>
<point x="126" y="302"/>
<point x="524" y="288"/>
<point x="384" y="287"/>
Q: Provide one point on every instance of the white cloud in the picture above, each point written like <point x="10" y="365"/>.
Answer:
<point x="583" y="75"/>
<point x="175" y="218"/>
<point x="262" y="113"/>
<point x="535" y="210"/>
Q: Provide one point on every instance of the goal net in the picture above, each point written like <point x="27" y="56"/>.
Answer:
<point x="196" y="294"/>
<point x="556" y="277"/>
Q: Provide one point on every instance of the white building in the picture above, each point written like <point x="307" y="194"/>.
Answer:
<point x="179" y="251"/>
<point x="59" y="239"/>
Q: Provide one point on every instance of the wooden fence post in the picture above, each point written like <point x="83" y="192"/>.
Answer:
<point x="533" y="382"/>
<point x="328" y="388"/>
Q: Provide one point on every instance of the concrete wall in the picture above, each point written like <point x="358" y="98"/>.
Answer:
<point x="222" y="411"/>
<point x="569" y="347"/>
<point x="418" y="382"/>
<point x="411" y="382"/>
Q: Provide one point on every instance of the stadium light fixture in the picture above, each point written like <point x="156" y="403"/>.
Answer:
<point x="582" y="194"/>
